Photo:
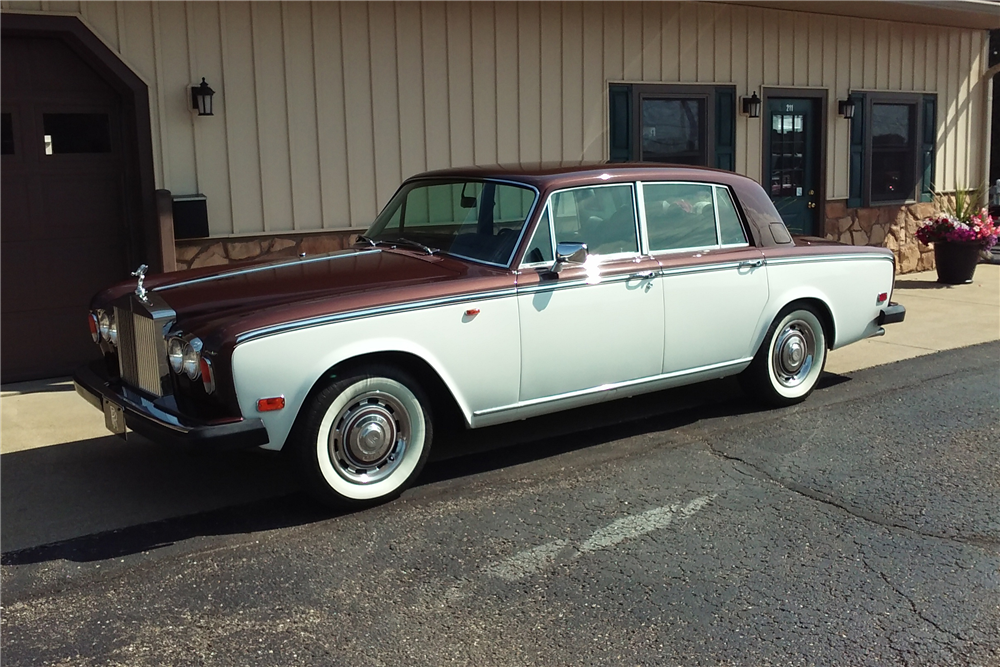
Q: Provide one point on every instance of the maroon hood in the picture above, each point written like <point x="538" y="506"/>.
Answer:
<point x="222" y="302"/>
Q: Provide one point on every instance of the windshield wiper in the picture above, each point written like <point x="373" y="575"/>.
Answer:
<point x="416" y="244"/>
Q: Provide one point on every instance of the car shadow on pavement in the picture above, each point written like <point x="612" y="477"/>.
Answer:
<point x="921" y="284"/>
<point x="116" y="499"/>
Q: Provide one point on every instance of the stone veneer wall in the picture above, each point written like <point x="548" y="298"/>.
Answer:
<point x="195" y="253"/>
<point x="892" y="227"/>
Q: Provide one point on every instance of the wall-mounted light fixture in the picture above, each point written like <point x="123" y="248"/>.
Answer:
<point x="846" y="108"/>
<point x="201" y="98"/>
<point x="751" y="106"/>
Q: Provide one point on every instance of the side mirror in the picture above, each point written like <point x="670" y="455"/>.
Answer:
<point x="569" y="253"/>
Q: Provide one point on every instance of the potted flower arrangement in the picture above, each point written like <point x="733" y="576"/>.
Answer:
<point x="959" y="235"/>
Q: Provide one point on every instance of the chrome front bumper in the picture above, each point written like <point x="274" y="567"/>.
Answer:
<point x="145" y="417"/>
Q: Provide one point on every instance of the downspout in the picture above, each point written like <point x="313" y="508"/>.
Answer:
<point x="988" y="121"/>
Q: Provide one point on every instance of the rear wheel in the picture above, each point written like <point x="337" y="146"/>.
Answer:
<point x="790" y="361"/>
<point x="364" y="438"/>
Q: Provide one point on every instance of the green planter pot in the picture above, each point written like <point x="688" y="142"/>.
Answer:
<point x="956" y="262"/>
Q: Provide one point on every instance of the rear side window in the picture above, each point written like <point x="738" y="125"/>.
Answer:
<point x="679" y="215"/>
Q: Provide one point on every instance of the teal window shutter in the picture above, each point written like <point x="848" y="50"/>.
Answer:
<point x="928" y="136"/>
<point x="620" y="113"/>
<point x="725" y="128"/>
<point x="856" y="165"/>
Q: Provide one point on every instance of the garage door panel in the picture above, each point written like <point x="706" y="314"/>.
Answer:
<point x="24" y="344"/>
<point x="64" y="234"/>
<point x="56" y="275"/>
<point x="83" y="206"/>
<point x="15" y="206"/>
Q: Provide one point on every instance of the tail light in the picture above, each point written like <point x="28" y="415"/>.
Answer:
<point x="95" y="331"/>
<point x="882" y="298"/>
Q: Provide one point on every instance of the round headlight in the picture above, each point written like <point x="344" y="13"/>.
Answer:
<point x="103" y="324"/>
<point x="192" y="359"/>
<point x="175" y="354"/>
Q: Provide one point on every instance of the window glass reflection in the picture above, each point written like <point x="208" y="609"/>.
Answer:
<point x="672" y="130"/>
<point x="679" y="215"/>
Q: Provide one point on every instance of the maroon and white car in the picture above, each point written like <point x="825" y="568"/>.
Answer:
<point x="493" y="293"/>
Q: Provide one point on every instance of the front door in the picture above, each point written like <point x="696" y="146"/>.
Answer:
<point x="791" y="149"/>
<point x="593" y="325"/>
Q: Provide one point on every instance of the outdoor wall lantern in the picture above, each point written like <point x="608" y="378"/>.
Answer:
<point x="751" y="106"/>
<point x="846" y="108"/>
<point x="201" y="98"/>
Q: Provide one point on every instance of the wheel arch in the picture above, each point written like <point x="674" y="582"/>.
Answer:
<point x="822" y="309"/>
<point x="444" y="404"/>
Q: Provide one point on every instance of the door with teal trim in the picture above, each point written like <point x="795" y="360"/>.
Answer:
<point x="791" y="160"/>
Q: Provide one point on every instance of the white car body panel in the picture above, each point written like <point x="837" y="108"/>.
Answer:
<point x="589" y="332"/>
<point x="477" y="357"/>
<point x="494" y="378"/>
<point x="847" y="284"/>
<point x="712" y="314"/>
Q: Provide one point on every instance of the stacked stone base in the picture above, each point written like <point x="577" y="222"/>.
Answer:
<point x="195" y="253"/>
<point x="892" y="227"/>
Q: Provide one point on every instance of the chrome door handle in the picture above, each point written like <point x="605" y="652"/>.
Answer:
<point x="751" y="263"/>
<point x="645" y="275"/>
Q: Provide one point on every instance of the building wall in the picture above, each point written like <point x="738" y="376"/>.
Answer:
<point x="323" y="108"/>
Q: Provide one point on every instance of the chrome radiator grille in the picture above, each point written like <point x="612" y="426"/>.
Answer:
<point x="140" y="347"/>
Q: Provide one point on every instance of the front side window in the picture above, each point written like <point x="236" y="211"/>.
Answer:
<point x="540" y="247"/>
<point x="480" y="220"/>
<point x="602" y="217"/>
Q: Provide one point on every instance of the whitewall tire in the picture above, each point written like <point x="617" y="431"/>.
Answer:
<point x="790" y="361"/>
<point x="364" y="438"/>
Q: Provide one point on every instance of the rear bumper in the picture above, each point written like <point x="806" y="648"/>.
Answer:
<point x="146" y="418"/>
<point x="891" y="314"/>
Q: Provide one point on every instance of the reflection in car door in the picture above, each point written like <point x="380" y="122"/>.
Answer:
<point x="597" y="324"/>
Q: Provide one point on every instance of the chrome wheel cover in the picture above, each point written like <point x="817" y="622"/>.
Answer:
<point x="369" y="437"/>
<point x="793" y="353"/>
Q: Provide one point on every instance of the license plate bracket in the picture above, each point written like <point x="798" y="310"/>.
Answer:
<point x="114" y="418"/>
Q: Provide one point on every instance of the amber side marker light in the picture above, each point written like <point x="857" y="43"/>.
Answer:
<point x="270" y="404"/>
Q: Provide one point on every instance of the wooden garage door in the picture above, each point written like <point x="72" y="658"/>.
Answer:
<point x="63" y="220"/>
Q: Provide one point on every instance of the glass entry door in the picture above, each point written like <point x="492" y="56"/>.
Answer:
<point x="792" y="161"/>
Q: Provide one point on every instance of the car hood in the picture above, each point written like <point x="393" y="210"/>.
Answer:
<point x="221" y="303"/>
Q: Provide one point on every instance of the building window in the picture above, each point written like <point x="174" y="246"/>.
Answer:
<point x="693" y="125"/>
<point x="892" y="149"/>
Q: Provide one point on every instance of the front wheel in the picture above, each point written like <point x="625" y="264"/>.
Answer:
<point x="789" y="362"/>
<point x="364" y="438"/>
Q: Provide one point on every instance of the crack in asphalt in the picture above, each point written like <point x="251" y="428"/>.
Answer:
<point x="820" y="497"/>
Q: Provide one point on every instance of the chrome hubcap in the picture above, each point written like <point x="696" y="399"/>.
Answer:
<point x="794" y="352"/>
<point x="369" y="437"/>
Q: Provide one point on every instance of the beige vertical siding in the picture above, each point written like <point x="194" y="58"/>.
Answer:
<point x="322" y="108"/>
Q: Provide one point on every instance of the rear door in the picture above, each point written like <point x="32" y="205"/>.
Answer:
<point x="714" y="283"/>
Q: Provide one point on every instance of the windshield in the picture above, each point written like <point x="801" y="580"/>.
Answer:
<point x="480" y="220"/>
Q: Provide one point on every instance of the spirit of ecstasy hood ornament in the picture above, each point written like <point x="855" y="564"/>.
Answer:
<point x="140" y="273"/>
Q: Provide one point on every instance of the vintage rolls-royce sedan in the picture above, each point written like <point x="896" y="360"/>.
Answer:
<point x="490" y="294"/>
